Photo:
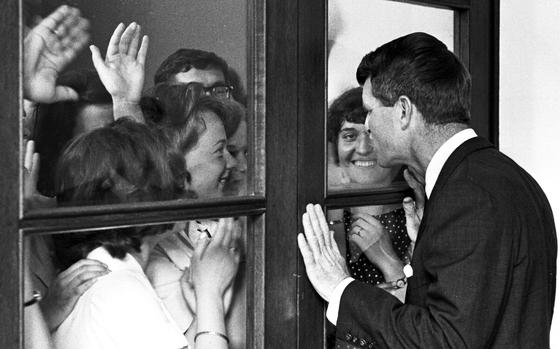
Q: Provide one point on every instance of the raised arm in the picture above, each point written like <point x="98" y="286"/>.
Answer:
<point x="375" y="242"/>
<point x="373" y="239"/>
<point x="214" y="266"/>
<point x="48" y="49"/>
<point x="325" y="266"/>
<point x="122" y="70"/>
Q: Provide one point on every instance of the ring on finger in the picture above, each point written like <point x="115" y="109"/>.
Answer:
<point x="54" y="32"/>
<point x="359" y="232"/>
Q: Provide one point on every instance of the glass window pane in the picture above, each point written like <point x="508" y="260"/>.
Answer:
<point x="375" y="244"/>
<point x="362" y="233"/>
<point x="356" y="28"/>
<point x="141" y="284"/>
<point x="192" y="93"/>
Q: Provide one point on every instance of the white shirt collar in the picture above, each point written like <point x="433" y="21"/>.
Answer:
<point x="114" y="264"/>
<point x="441" y="156"/>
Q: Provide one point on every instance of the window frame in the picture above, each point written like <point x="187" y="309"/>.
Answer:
<point x="284" y="309"/>
<point x="476" y="42"/>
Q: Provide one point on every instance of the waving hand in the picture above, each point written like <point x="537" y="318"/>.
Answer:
<point x="48" y="49"/>
<point x="122" y="70"/>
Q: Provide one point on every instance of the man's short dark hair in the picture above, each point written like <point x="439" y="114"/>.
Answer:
<point x="420" y="67"/>
<point x="185" y="59"/>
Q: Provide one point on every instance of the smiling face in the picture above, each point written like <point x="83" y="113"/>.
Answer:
<point x="356" y="156"/>
<point x="237" y="143"/>
<point x="209" y="162"/>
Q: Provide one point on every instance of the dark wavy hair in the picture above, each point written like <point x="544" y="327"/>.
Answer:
<point x="124" y="162"/>
<point x="56" y="122"/>
<point x="347" y="107"/>
<point x="420" y="67"/>
<point x="184" y="60"/>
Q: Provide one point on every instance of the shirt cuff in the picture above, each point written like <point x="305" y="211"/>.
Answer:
<point x="334" y="304"/>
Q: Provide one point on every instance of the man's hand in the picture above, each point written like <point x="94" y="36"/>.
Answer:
<point x="122" y="71"/>
<point x="68" y="287"/>
<point x="414" y="209"/>
<point x="48" y="49"/>
<point x="325" y="266"/>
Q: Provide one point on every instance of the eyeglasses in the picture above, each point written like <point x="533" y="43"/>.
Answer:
<point x="179" y="99"/>
<point x="218" y="91"/>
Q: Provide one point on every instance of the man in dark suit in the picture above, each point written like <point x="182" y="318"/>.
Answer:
<point x="485" y="257"/>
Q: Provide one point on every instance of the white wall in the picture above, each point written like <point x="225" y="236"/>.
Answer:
<point x="529" y="91"/>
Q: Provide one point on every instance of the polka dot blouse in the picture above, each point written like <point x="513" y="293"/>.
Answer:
<point x="358" y="264"/>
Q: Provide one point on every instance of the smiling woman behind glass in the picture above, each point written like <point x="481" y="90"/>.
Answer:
<point x="198" y="128"/>
<point x="353" y="164"/>
<point x="121" y="309"/>
<point x="172" y="26"/>
<point x="374" y="238"/>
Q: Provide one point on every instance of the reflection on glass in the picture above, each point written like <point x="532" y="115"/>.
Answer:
<point x="71" y="105"/>
<point x="146" y="286"/>
<point x="354" y="29"/>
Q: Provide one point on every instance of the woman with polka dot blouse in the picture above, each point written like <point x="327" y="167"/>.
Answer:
<point x="374" y="238"/>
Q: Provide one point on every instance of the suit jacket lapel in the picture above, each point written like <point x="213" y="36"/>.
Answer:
<point x="470" y="146"/>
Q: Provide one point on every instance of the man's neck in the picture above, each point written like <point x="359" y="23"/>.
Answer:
<point x="427" y="143"/>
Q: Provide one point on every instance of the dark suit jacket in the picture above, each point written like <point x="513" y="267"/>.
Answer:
<point x="484" y="265"/>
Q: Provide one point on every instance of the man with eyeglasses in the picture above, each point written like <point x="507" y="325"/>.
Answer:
<point x="209" y="74"/>
<point x="208" y="71"/>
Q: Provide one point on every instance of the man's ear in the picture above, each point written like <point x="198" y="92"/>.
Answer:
<point x="406" y="109"/>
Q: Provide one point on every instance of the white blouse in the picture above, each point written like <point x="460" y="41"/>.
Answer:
<point x="121" y="310"/>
